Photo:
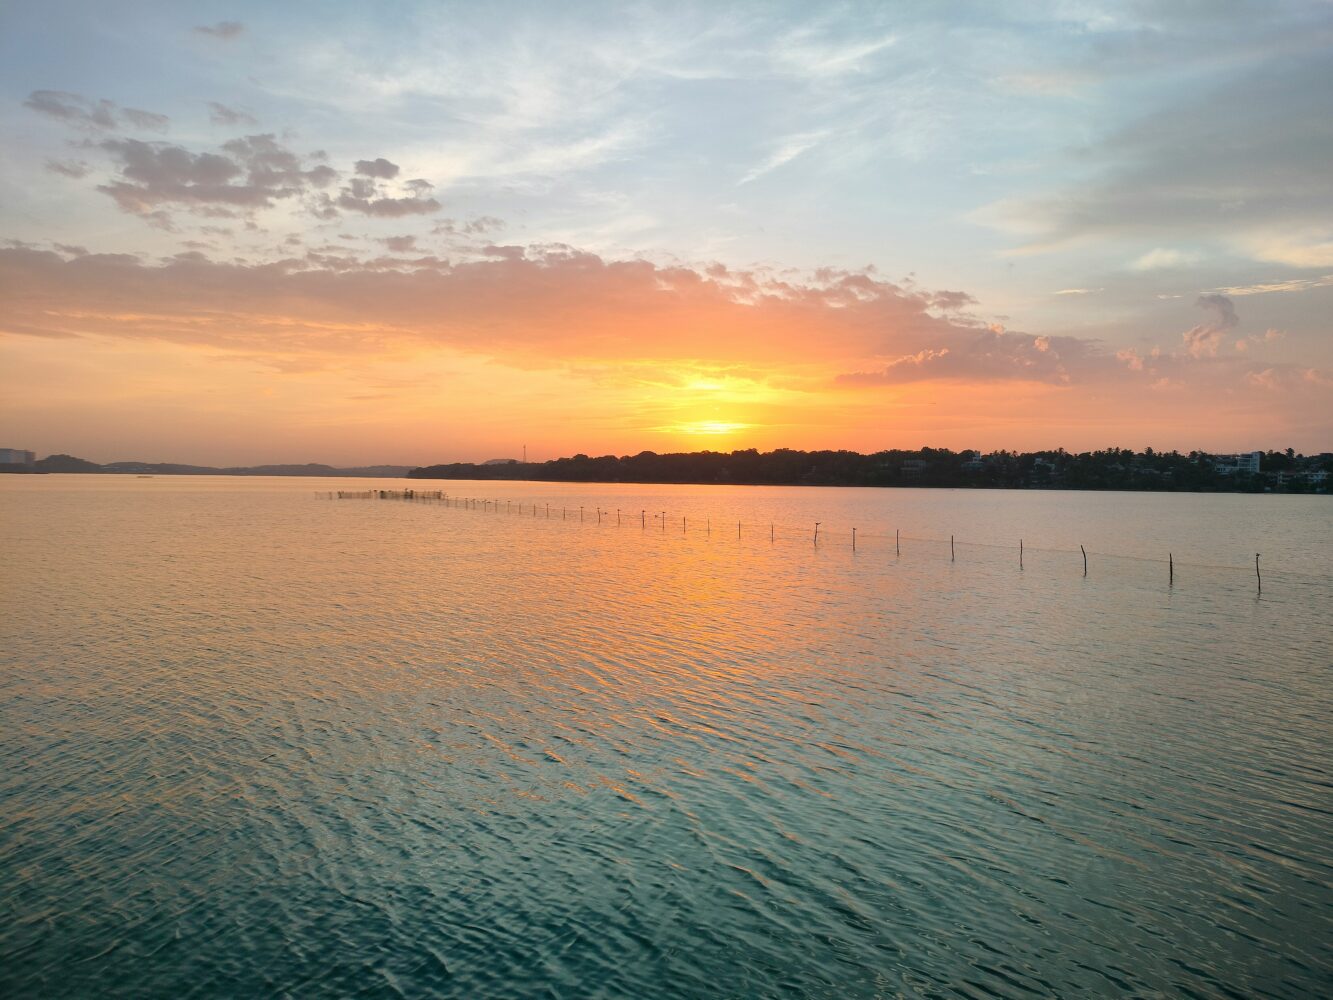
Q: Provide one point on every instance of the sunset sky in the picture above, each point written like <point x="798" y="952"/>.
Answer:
<point x="353" y="233"/>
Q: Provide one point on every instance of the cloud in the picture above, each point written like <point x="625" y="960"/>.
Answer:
<point x="379" y="167"/>
<point x="808" y="56"/>
<point x="1293" y="245"/>
<point x="1291" y="285"/>
<point x="1267" y="337"/>
<point x="472" y="227"/>
<point x="549" y="302"/>
<point x="1289" y="378"/>
<point x="1131" y="358"/>
<point x="788" y="150"/>
<point x="537" y="306"/>
<point x="1245" y="163"/>
<point x="554" y="307"/>
<point x="1161" y="259"/>
<point x="220" y="114"/>
<point x="1078" y="291"/>
<point x="69" y="168"/>
<point x="947" y="301"/>
<point x="993" y="355"/>
<point x="365" y="194"/>
<point x="251" y="172"/>
<point x="1204" y="339"/>
<point x="223" y="30"/>
<point x="94" y="116"/>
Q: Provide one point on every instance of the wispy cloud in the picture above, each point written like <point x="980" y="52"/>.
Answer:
<point x="1267" y="287"/>
<point x="220" y="114"/>
<point x="223" y="30"/>
<point x="1161" y="259"/>
<point x="808" y="53"/>
<point x="788" y="150"/>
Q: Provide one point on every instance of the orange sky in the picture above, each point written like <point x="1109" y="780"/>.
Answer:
<point x="415" y="359"/>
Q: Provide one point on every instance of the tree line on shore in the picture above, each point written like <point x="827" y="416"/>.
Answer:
<point x="1109" y="469"/>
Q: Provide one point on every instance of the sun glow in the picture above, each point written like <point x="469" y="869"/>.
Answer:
<point x="712" y="427"/>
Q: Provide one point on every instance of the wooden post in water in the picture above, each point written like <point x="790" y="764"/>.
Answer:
<point x="897" y="547"/>
<point x="1256" y="573"/>
<point x="664" y="522"/>
<point x="817" y="524"/>
<point x="738" y="530"/>
<point x="1170" y="570"/>
<point x="951" y="548"/>
<point x="771" y="537"/>
<point x="682" y="524"/>
<point x="617" y="517"/>
<point x="580" y="515"/>
<point x="1020" y="553"/>
<point x="599" y="516"/>
<point x="1085" y="559"/>
<point x="853" y="539"/>
<point x="643" y="520"/>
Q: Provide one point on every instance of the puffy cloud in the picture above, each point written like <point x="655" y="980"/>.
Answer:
<point x="472" y="227"/>
<point x="951" y="301"/>
<point x="1290" y="378"/>
<point x="366" y="194"/>
<point x="1204" y="339"/>
<point x="1132" y="359"/>
<point x="94" y="116"/>
<point x="223" y="30"/>
<point x="378" y="167"/>
<point x="251" y="172"/>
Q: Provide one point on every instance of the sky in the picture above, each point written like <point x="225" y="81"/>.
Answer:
<point x="411" y="233"/>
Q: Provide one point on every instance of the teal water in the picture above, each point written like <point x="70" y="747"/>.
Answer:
<point x="254" y="743"/>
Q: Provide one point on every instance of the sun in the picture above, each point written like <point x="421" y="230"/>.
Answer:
<point x="710" y="427"/>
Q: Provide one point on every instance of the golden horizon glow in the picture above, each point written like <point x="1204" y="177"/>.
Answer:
<point x="709" y="428"/>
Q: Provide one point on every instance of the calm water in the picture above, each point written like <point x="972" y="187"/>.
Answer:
<point x="254" y="743"/>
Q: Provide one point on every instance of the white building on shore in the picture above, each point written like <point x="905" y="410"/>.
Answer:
<point x="1229" y="465"/>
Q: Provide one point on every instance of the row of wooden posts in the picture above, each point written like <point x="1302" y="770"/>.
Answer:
<point x="472" y="502"/>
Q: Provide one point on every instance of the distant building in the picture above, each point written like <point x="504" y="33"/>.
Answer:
<point x="913" y="467"/>
<point x="972" y="461"/>
<point x="500" y="461"/>
<point x="16" y="456"/>
<point x="1229" y="465"/>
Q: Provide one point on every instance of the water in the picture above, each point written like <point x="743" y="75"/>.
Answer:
<point x="253" y="743"/>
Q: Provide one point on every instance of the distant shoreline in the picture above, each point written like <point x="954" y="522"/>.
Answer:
<point x="929" y="468"/>
<point x="1111" y="470"/>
